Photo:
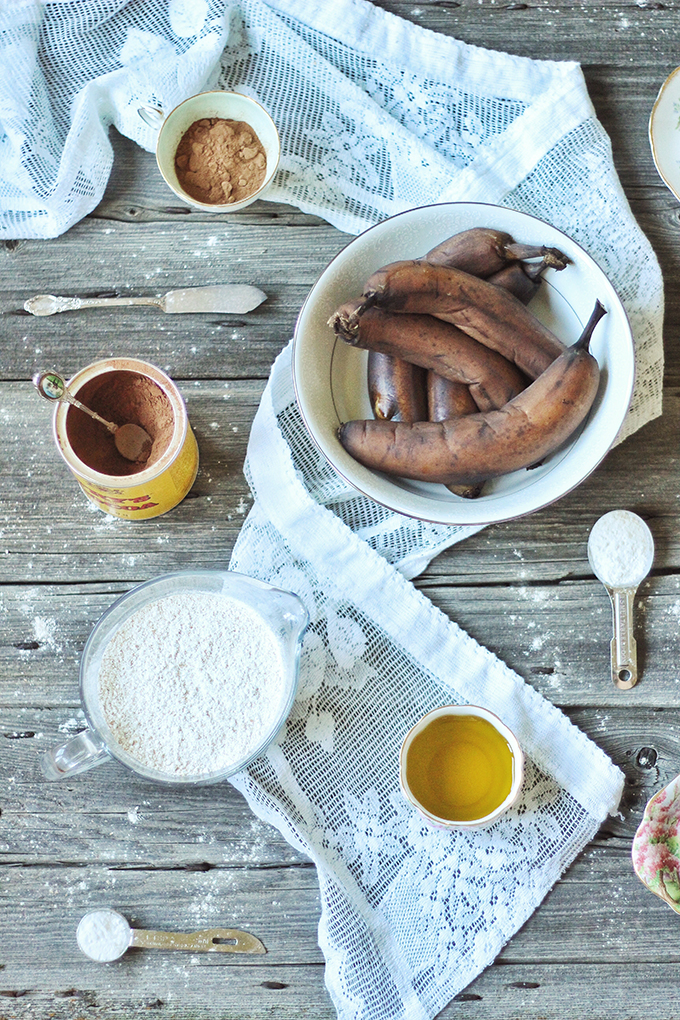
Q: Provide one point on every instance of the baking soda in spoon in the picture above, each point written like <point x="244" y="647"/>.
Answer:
<point x="104" y="935"/>
<point x="621" y="553"/>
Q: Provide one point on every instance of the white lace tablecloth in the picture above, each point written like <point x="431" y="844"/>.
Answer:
<point x="376" y="115"/>
<point x="409" y="915"/>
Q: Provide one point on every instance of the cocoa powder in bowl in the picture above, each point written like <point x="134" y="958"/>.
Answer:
<point x="121" y="397"/>
<point x="220" y="161"/>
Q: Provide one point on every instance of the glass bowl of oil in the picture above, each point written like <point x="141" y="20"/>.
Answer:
<point x="461" y="767"/>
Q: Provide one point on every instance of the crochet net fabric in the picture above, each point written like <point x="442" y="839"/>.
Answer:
<point x="376" y="115"/>
<point x="410" y="915"/>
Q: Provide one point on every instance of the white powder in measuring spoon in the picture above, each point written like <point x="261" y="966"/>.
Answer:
<point x="103" y="935"/>
<point x="621" y="549"/>
<point x="192" y="683"/>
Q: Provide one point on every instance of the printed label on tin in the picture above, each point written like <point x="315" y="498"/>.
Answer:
<point x="106" y="499"/>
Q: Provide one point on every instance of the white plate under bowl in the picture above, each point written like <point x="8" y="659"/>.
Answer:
<point x="330" y="375"/>
<point x="664" y="132"/>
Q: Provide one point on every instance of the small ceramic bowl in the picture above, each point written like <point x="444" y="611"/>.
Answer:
<point x="656" y="846"/>
<point x="664" y="132"/>
<point x="450" y="758"/>
<point x="227" y="105"/>
<point x="330" y="375"/>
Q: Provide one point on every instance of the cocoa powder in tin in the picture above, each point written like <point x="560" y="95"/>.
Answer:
<point x="120" y="397"/>
<point x="220" y="161"/>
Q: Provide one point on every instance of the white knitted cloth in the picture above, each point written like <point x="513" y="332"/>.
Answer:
<point x="376" y="116"/>
<point x="409" y="915"/>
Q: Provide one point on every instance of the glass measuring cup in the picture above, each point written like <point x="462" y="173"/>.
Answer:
<point x="282" y="612"/>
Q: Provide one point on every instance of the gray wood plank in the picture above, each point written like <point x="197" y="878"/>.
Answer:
<point x="556" y="636"/>
<point x="42" y="502"/>
<point x="570" y="991"/>
<point x="123" y="819"/>
<point x="515" y="992"/>
<point x="150" y="259"/>
<point x="601" y="881"/>
<point x="595" y="912"/>
<point x="636" y="39"/>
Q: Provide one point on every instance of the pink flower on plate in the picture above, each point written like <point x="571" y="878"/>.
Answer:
<point x="656" y="846"/>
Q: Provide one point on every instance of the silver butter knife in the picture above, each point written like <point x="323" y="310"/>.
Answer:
<point x="224" y="297"/>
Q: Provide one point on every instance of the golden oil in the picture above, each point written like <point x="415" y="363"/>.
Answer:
<point x="459" y="768"/>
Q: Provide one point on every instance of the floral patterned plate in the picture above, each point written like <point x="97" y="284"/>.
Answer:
<point x="664" y="132"/>
<point x="656" y="846"/>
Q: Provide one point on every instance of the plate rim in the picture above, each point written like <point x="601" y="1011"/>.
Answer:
<point x="652" y="127"/>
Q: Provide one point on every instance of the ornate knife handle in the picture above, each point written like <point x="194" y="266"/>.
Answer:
<point x="49" y="304"/>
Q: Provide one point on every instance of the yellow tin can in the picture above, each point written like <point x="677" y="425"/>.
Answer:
<point x="126" y="390"/>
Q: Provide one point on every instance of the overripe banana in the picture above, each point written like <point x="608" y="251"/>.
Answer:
<point x="397" y="389"/>
<point x="482" y="251"/>
<point x="470" y="449"/>
<point x="441" y="347"/>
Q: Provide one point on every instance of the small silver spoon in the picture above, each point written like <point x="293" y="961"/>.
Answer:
<point x="621" y="553"/>
<point x="104" y="935"/>
<point x="132" y="442"/>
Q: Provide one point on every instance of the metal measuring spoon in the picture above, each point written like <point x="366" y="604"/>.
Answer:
<point x="104" y="935"/>
<point x="132" y="442"/>
<point x="621" y="553"/>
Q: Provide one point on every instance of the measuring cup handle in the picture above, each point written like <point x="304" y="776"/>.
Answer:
<point x="79" y="754"/>
<point x="152" y="116"/>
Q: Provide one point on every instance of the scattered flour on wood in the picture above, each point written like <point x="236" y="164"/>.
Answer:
<point x="46" y="632"/>
<point x="191" y="683"/>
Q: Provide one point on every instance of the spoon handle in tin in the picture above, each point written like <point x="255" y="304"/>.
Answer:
<point x="214" y="940"/>
<point x="52" y="386"/>
<point x="70" y="399"/>
<point x="623" y="644"/>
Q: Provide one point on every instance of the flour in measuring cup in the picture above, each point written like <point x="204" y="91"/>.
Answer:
<point x="192" y="683"/>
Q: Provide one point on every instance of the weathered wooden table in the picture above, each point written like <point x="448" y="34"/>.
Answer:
<point x="600" y="945"/>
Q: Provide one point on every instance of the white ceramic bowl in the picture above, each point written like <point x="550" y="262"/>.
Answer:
<point x="330" y="376"/>
<point x="228" y="105"/>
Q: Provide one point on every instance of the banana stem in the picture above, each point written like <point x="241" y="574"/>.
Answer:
<point x="534" y="270"/>
<point x="584" y="340"/>
<point x="552" y="256"/>
<point x="345" y="321"/>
